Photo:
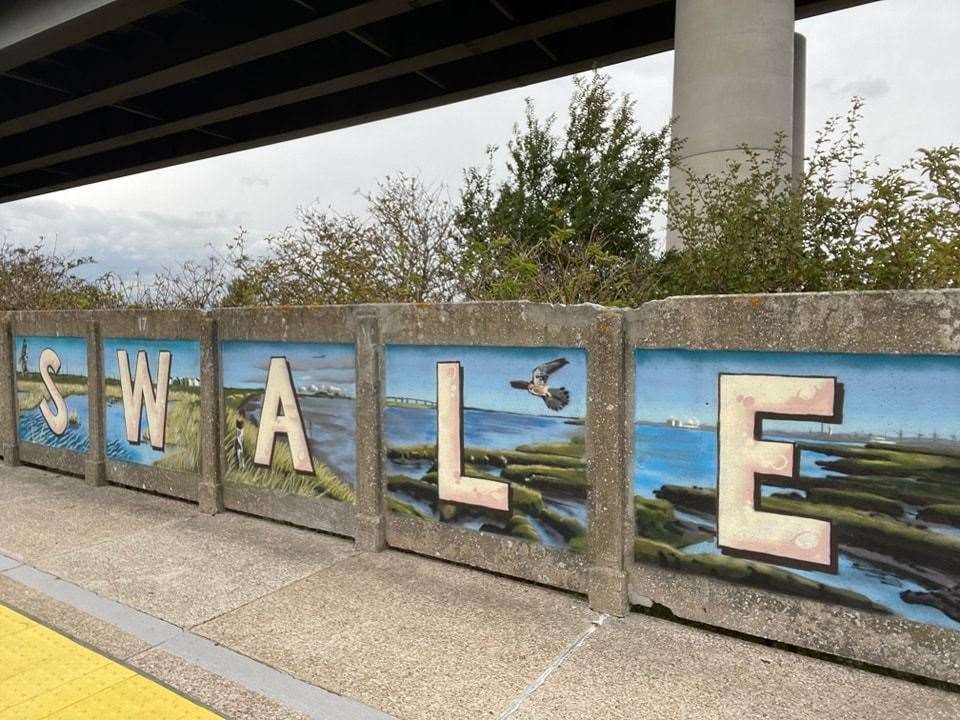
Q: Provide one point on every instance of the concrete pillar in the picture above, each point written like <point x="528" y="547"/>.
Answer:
<point x="8" y="396"/>
<point x="95" y="466"/>
<point x="210" y="486"/>
<point x="732" y="82"/>
<point x="610" y="511"/>
<point x="798" y="147"/>
<point x="369" y="512"/>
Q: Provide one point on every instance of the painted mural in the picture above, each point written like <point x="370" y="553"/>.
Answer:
<point x="829" y="476"/>
<point x="290" y="417"/>
<point x="152" y="396"/>
<point x="52" y="392"/>
<point x="489" y="438"/>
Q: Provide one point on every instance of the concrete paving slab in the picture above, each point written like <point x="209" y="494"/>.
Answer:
<point x="27" y="482"/>
<point x="38" y="528"/>
<point x="148" y="628"/>
<point x="87" y="629"/>
<point x="229" y="698"/>
<point x="642" y="667"/>
<point x="414" y="637"/>
<point x="200" y="655"/>
<point x="224" y="696"/>
<point x="194" y="570"/>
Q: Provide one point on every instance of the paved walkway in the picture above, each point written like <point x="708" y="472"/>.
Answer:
<point x="259" y="620"/>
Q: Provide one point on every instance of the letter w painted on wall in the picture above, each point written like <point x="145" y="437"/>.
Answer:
<point x="139" y="395"/>
<point x="452" y="484"/>
<point x="742" y="528"/>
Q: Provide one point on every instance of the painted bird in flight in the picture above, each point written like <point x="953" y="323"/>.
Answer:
<point x="555" y="398"/>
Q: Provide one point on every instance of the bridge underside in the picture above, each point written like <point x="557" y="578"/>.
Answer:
<point x="94" y="89"/>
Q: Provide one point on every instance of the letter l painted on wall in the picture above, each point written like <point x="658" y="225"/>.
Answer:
<point x="453" y="485"/>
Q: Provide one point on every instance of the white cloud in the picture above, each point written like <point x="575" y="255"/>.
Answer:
<point x="120" y="239"/>
<point x="869" y="88"/>
<point x="254" y="180"/>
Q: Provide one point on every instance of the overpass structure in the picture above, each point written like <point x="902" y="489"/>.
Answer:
<point x="97" y="89"/>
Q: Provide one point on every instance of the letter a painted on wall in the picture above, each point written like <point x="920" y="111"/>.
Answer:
<point x="281" y="416"/>
<point x="56" y="421"/>
<point x="453" y="485"/>
<point x="138" y="394"/>
<point x="743" y="529"/>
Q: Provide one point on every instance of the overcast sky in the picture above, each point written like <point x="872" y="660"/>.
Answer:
<point x="902" y="56"/>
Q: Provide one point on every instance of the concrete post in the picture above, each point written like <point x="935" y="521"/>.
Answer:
<point x="732" y="83"/>
<point x="798" y="147"/>
<point x="8" y="396"/>
<point x="210" y="486"/>
<point x="95" y="467"/>
<point x="606" y="453"/>
<point x="369" y="518"/>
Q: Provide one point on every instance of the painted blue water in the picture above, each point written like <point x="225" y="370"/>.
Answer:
<point x="331" y="429"/>
<point x="878" y="584"/>
<point x="34" y="429"/>
<point x="678" y="456"/>
<point x="672" y="456"/>
<point x="331" y="426"/>
<point x="481" y="428"/>
<point x="118" y="447"/>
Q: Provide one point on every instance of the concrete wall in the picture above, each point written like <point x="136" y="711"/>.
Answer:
<point x="612" y="453"/>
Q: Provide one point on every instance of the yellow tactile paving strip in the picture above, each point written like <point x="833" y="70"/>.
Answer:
<point x="44" y="674"/>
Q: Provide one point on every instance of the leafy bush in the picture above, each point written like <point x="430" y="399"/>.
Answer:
<point x="573" y="220"/>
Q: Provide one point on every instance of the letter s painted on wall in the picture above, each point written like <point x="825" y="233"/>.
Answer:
<point x="56" y="421"/>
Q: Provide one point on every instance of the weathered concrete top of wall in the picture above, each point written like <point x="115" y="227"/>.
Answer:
<point x="916" y="321"/>
<point x="508" y="323"/>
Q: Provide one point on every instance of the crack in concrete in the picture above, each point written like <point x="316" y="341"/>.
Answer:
<point x="310" y="574"/>
<point x="552" y="667"/>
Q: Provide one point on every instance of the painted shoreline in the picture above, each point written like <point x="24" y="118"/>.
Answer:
<point x="240" y="407"/>
<point x="877" y="494"/>
<point x="548" y="482"/>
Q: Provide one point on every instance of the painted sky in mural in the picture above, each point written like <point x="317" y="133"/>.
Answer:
<point x="488" y="372"/>
<point x="58" y="419"/>
<point x="887" y="477"/>
<point x="510" y="436"/>
<point x="290" y="417"/>
<point x="315" y="366"/>
<point x="173" y="443"/>
<point x="881" y="396"/>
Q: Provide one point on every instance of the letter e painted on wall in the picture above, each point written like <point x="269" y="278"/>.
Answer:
<point x="281" y="416"/>
<point x="742" y="528"/>
<point x="453" y="485"/>
<point x="56" y="420"/>
<point x="139" y="395"/>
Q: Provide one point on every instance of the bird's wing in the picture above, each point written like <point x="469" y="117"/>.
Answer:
<point x="519" y="384"/>
<point x="542" y="372"/>
<point x="557" y="398"/>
